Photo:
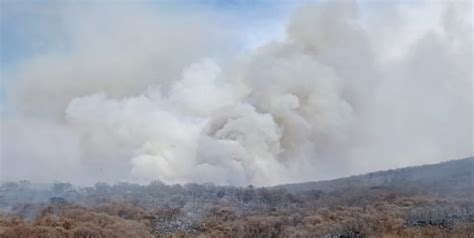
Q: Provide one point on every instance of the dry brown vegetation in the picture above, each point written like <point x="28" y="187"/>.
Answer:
<point x="73" y="221"/>
<point x="404" y="203"/>
<point x="384" y="218"/>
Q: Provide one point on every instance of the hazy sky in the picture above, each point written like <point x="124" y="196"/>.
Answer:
<point x="232" y="92"/>
<point x="29" y="28"/>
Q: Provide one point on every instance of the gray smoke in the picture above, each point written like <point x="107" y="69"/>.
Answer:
<point x="143" y="96"/>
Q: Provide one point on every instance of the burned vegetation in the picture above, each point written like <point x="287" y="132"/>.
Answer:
<point x="426" y="201"/>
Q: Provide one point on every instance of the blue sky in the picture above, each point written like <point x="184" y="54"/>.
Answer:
<point x="28" y="28"/>
<point x="33" y="28"/>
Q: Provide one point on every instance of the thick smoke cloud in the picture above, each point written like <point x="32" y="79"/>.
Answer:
<point x="148" y="96"/>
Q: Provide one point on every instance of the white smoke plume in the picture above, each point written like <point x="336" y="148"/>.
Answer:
<point x="139" y="96"/>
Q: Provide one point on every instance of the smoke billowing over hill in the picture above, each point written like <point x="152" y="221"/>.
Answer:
<point x="133" y="93"/>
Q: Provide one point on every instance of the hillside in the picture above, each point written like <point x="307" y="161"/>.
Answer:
<point x="423" y="201"/>
<point x="445" y="178"/>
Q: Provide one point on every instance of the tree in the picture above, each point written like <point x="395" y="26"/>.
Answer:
<point x="60" y="188"/>
<point x="24" y="184"/>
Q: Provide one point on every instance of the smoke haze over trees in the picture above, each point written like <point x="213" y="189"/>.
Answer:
<point x="217" y="118"/>
<point x="395" y="203"/>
